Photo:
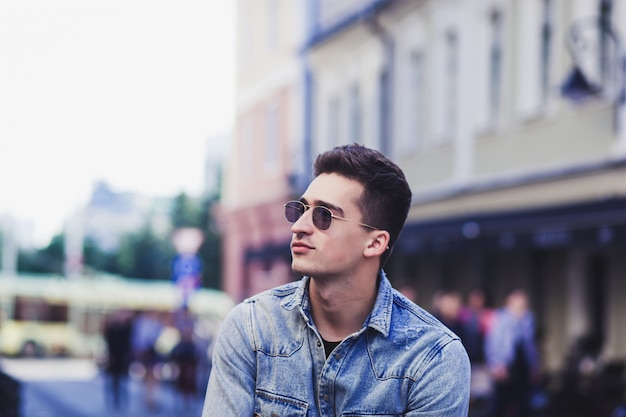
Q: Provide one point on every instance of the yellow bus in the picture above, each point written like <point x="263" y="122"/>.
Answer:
<point x="57" y="316"/>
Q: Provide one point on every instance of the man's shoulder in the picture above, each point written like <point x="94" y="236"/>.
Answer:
<point x="417" y="340"/>
<point x="411" y="315"/>
<point x="276" y="300"/>
<point x="274" y="294"/>
<point x="265" y="305"/>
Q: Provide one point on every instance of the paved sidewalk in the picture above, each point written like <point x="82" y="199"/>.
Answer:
<point x="71" y="388"/>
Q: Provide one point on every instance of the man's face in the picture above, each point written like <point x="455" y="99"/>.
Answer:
<point x="336" y="250"/>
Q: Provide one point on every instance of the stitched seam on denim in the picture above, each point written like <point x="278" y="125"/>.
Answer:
<point x="289" y="400"/>
<point x="278" y="355"/>
<point x="250" y="326"/>
<point x="431" y="355"/>
<point x="380" y="318"/>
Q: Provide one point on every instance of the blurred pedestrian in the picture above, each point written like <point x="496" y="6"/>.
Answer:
<point x="476" y="319"/>
<point x="147" y="328"/>
<point x="205" y="336"/>
<point x="407" y="289"/>
<point x="512" y="356"/>
<point x="10" y="395"/>
<point x="448" y="311"/>
<point x="186" y="357"/>
<point x="117" y="335"/>
<point x="184" y="320"/>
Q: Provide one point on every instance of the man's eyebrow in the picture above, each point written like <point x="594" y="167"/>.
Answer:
<point x="332" y="207"/>
<point x="322" y="203"/>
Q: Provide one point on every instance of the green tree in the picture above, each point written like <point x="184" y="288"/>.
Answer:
<point x="48" y="260"/>
<point x="198" y="213"/>
<point x="97" y="259"/>
<point x="145" y="255"/>
<point x="186" y="212"/>
<point x="211" y="250"/>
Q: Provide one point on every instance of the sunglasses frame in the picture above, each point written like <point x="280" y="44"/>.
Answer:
<point x="323" y="210"/>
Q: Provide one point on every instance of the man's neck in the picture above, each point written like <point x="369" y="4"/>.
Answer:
<point x="340" y="307"/>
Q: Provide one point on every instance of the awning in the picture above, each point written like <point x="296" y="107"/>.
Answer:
<point x="594" y="223"/>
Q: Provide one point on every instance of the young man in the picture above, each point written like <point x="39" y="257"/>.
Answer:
<point x="341" y="341"/>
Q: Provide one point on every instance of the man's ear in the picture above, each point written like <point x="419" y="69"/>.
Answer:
<point x="378" y="244"/>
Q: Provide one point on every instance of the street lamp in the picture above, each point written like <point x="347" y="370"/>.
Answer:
<point x="599" y="64"/>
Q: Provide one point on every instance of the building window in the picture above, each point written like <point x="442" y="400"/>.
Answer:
<point x="355" y="114"/>
<point x="273" y="22"/>
<point x="417" y="99"/>
<point x="451" y="87"/>
<point x="535" y="48"/>
<point x="384" y="111"/>
<point x="247" y="21"/>
<point x="371" y="119"/>
<point x="495" y="67"/>
<point x="546" y="51"/>
<point x="247" y="148"/>
<point x="610" y="50"/>
<point x="272" y="149"/>
<point x="334" y="110"/>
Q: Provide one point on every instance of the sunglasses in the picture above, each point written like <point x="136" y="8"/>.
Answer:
<point x="322" y="216"/>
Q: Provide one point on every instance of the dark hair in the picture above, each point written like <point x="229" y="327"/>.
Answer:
<point x="386" y="198"/>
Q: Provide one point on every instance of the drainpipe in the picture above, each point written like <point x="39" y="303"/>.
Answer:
<point x="307" y="151"/>
<point x="386" y="84"/>
<point x="311" y="23"/>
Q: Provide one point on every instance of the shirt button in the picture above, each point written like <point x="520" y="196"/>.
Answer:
<point x="319" y="343"/>
<point x="337" y="356"/>
<point x="325" y="397"/>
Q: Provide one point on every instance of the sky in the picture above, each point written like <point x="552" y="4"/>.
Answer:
<point x="126" y="91"/>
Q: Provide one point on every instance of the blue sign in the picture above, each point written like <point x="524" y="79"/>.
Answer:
<point x="186" y="272"/>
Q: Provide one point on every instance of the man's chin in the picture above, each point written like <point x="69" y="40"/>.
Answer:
<point x="300" y="269"/>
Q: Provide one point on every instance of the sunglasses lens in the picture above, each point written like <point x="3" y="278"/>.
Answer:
<point x="321" y="215"/>
<point x="293" y="211"/>
<point x="322" y="218"/>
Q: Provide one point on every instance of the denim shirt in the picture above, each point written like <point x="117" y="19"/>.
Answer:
<point x="269" y="360"/>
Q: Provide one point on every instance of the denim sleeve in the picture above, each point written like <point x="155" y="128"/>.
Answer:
<point x="230" y="392"/>
<point x="442" y="387"/>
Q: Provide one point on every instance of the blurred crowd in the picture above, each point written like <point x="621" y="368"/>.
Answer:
<point x="157" y="348"/>
<point x="160" y="347"/>
<point x="500" y="342"/>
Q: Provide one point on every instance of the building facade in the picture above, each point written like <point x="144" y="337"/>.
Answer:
<point x="506" y="116"/>
<point x="511" y="140"/>
<point x="266" y="150"/>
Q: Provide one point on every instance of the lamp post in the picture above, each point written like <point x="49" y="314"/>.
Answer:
<point x="187" y="266"/>
<point x="599" y="67"/>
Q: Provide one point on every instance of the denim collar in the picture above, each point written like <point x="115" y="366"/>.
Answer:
<point x="379" y="319"/>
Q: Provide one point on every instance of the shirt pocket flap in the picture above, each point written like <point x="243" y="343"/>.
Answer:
<point x="267" y="404"/>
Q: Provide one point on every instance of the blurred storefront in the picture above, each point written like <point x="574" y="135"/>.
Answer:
<point x="266" y="151"/>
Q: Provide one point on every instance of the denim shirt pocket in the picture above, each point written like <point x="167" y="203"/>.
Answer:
<point x="267" y="404"/>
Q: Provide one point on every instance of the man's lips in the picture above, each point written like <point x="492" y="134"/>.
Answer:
<point x="299" y="247"/>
